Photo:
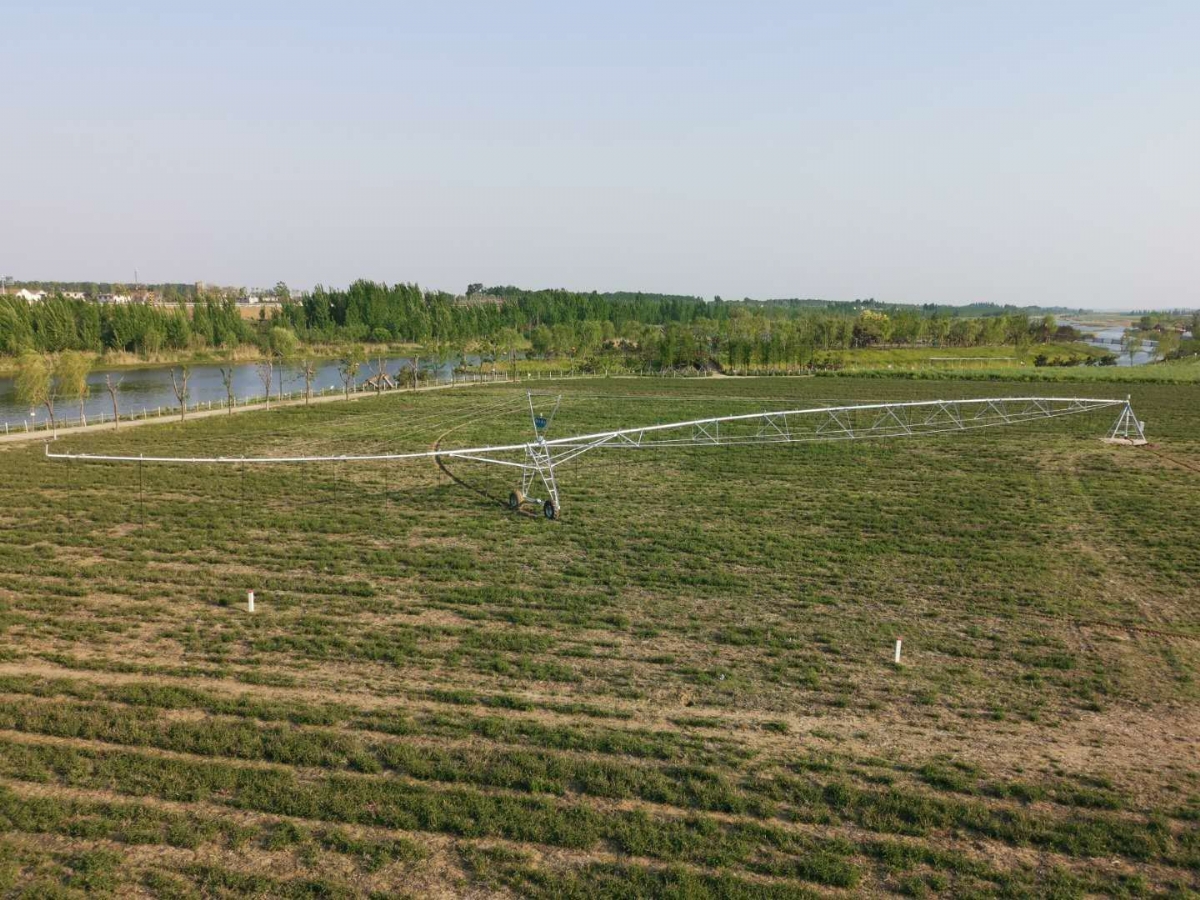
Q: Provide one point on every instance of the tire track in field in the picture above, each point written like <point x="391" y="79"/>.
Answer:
<point x="1112" y="626"/>
<point x="439" y="844"/>
<point x="784" y="814"/>
<point x="1106" y="625"/>
<point x="1171" y="459"/>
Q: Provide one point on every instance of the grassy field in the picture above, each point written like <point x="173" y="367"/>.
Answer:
<point x="959" y="358"/>
<point x="1174" y="371"/>
<point x="682" y="688"/>
<point x="927" y="363"/>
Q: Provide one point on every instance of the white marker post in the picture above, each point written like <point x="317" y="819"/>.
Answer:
<point x="899" y="640"/>
<point x="250" y="608"/>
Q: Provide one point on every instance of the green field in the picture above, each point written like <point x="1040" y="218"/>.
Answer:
<point x="684" y="687"/>
<point x="1003" y="358"/>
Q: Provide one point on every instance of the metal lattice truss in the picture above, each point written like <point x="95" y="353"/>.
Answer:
<point x="537" y="460"/>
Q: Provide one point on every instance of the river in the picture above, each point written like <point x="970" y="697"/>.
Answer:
<point x="1110" y="339"/>
<point x="148" y="388"/>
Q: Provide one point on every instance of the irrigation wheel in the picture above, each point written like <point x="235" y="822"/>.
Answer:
<point x="515" y="499"/>
<point x="550" y="509"/>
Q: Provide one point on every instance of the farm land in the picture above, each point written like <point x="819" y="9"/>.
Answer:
<point x="683" y="687"/>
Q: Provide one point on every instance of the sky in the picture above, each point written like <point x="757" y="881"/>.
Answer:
<point x="1009" y="152"/>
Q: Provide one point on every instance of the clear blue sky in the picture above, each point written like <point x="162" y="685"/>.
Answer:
<point x="1043" y="152"/>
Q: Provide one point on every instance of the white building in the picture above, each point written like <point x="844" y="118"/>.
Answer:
<point x="31" y="296"/>
<point x="114" y="298"/>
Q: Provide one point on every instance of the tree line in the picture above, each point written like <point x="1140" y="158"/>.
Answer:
<point x="661" y="330"/>
<point x="58" y="324"/>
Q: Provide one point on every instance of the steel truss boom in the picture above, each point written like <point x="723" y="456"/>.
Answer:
<point x="538" y="459"/>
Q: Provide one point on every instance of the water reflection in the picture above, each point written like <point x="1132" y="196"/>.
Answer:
<point x="147" y="389"/>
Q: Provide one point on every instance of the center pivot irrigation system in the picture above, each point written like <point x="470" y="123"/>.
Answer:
<point x="538" y="459"/>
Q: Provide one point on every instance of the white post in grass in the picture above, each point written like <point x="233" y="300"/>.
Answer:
<point x="898" y="642"/>
<point x="250" y="604"/>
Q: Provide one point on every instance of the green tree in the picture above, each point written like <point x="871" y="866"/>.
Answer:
<point x="871" y="328"/>
<point x="939" y="330"/>
<point x="488" y="350"/>
<point x="1046" y="328"/>
<point x="178" y="331"/>
<point x="1016" y="328"/>
<point x="151" y="341"/>
<point x="73" y="369"/>
<point x="349" y="366"/>
<point x="589" y="334"/>
<point x="1131" y="343"/>
<point x="283" y="344"/>
<point x="1167" y="343"/>
<point x="507" y="342"/>
<point x="540" y="340"/>
<point x="34" y="383"/>
<point x="563" y="339"/>
<point x="439" y="351"/>
<point x="16" y="326"/>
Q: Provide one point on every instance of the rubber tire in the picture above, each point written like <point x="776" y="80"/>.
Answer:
<point x="515" y="499"/>
<point x="550" y="510"/>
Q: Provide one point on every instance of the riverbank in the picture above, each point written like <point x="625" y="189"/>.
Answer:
<point x="862" y="357"/>
<point x="150" y="389"/>
<point x="173" y="416"/>
<point x="246" y="353"/>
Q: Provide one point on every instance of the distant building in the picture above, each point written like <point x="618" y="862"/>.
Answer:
<point x="74" y="295"/>
<point x="115" y="298"/>
<point x="31" y="296"/>
<point x="258" y="297"/>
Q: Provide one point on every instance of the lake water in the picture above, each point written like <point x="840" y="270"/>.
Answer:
<point x="1110" y="340"/>
<point x="150" y="388"/>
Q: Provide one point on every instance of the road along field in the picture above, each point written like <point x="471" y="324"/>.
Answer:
<point x="683" y="687"/>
